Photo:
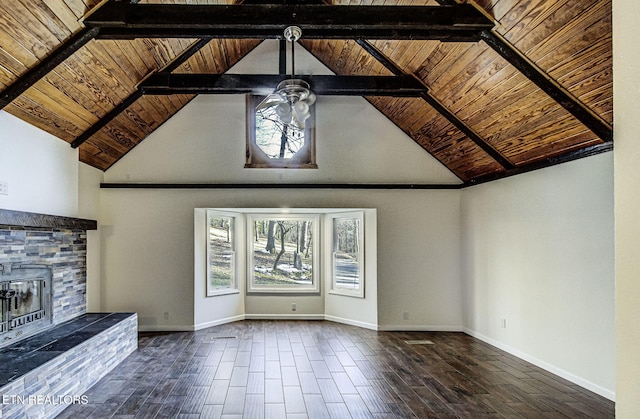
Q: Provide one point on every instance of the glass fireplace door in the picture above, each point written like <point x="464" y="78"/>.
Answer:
<point x="22" y="303"/>
<point x="26" y="304"/>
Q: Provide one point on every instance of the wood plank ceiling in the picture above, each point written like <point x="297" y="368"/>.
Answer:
<point x="484" y="113"/>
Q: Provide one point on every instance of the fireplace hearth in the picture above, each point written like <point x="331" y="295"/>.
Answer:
<point x="25" y="300"/>
<point x="50" y="346"/>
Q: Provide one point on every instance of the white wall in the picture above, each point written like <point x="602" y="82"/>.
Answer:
<point x="148" y="254"/>
<point x="626" y="93"/>
<point x="89" y="179"/>
<point x="422" y="240"/>
<point x="42" y="171"/>
<point x="539" y="252"/>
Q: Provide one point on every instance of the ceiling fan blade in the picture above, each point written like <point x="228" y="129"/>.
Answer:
<point x="269" y="101"/>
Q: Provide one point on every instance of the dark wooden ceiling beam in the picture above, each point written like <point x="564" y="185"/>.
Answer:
<point x="369" y="186"/>
<point x="108" y="117"/>
<point x="262" y="84"/>
<point x="121" y="19"/>
<point x="122" y="106"/>
<point x="541" y="164"/>
<point x="40" y="70"/>
<point x="541" y="79"/>
<point x="439" y="107"/>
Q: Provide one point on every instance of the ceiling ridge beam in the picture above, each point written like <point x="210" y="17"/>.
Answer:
<point x="547" y="84"/>
<point x="541" y="164"/>
<point x="164" y="83"/>
<point x="34" y="74"/>
<point x="456" y="22"/>
<point x="137" y="94"/>
<point x="440" y="108"/>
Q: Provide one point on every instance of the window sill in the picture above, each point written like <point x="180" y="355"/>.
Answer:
<point x="282" y="292"/>
<point x="345" y="293"/>
<point x="218" y="293"/>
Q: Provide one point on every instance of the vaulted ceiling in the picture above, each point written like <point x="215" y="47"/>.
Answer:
<point x="496" y="87"/>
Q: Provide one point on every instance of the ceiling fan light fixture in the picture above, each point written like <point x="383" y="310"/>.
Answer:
<point x="292" y="33"/>
<point x="283" y="110"/>
<point x="293" y="97"/>
<point x="302" y="108"/>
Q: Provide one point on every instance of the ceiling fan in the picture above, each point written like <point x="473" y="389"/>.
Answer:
<point x="293" y="97"/>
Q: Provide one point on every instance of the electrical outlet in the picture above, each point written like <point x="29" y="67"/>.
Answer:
<point x="294" y="307"/>
<point x="503" y="323"/>
<point x="4" y="187"/>
<point x="405" y="315"/>
<point x="166" y="315"/>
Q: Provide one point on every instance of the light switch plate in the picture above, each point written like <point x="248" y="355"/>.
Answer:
<point x="4" y="187"/>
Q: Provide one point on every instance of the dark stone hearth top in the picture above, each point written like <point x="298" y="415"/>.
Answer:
<point x="21" y="357"/>
<point x="32" y="219"/>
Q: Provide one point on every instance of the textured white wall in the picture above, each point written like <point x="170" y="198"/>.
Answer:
<point x="89" y="179"/>
<point x="42" y="171"/>
<point x="538" y="252"/>
<point x="148" y="254"/>
<point x="626" y="94"/>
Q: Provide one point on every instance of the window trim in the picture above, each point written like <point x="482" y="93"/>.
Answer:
<point x="257" y="159"/>
<point x="233" y="288"/>
<point x="314" y="288"/>
<point x="335" y="288"/>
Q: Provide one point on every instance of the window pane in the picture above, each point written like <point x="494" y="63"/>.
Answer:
<point x="282" y="253"/>
<point x="274" y="144"/>
<point x="278" y="141"/>
<point x="221" y="253"/>
<point x="346" y="256"/>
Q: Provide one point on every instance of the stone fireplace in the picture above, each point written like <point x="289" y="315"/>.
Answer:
<point x="50" y="347"/>
<point x="42" y="272"/>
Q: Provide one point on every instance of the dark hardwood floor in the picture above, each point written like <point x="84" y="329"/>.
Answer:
<point x="317" y="369"/>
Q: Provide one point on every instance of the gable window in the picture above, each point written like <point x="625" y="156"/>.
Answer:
<point x="221" y="253"/>
<point x="347" y="258"/>
<point x="272" y="144"/>
<point x="283" y="253"/>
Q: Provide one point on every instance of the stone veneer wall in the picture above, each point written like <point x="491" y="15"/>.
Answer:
<point x="64" y="250"/>
<point x="47" y="390"/>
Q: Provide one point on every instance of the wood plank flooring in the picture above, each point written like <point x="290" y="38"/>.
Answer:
<point x="317" y="369"/>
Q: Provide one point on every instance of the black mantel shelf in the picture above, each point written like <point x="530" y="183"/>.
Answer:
<point x="32" y="219"/>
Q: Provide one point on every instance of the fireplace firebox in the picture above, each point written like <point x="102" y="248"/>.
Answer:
<point x="25" y="297"/>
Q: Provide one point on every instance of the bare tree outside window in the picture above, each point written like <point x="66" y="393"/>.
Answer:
<point x="220" y="253"/>
<point x="348" y="254"/>
<point x="272" y="144"/>
<point x="284" y="257"/>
